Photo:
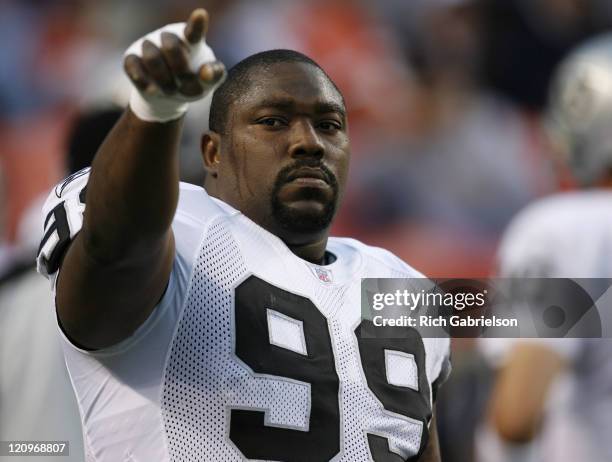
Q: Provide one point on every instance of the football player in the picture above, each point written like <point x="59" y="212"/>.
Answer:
<point x="221" y="324"/>
<point x="554" y="396"/>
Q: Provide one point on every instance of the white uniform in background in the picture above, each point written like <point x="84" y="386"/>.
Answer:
<point x="36" y="399"/>
<point x="564" y="236"/>
<point x="251" y="353"/>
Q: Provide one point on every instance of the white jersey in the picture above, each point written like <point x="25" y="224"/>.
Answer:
<point x="36" y="400"/>
<point x="252" y="353"/>
<point x="568" y="235"/>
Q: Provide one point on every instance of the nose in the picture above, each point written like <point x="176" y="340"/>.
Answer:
<point x="305" y="141"/>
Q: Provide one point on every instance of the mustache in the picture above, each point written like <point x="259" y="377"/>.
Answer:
<point x="286" y="172"/>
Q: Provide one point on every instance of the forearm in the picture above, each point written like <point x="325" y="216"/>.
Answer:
<point x="133" y="189"/>
<point x="519" y="395"/>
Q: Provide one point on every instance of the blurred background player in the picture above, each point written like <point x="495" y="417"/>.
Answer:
<point x="552" y="400"/>
<point x="36" y="399"/>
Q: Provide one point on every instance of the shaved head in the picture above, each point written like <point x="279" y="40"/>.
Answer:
<point x="239" y="81"/>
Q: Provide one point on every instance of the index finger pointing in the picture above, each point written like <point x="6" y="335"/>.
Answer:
<point x="197" y="26"/>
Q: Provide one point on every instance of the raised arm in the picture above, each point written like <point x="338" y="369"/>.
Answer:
<point x="117" y="267"/>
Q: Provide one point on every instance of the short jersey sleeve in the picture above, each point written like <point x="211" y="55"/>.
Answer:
<point x="445" y="362"/>
<point x="527" y="248"/>
<point x="63" y="219"/>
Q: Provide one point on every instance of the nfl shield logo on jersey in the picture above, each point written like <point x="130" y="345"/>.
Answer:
<point x="323" y="274"/>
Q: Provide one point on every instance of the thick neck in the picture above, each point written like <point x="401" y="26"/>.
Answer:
<point x="313" y="252"/>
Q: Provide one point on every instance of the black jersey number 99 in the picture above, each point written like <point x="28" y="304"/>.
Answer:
<point x="322" y="440"/>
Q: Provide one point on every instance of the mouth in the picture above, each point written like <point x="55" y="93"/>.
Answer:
<point x="309" y="176"/>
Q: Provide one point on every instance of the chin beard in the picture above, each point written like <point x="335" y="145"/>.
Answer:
<point x="298" y="221"/>
<point x="303" y="221"/>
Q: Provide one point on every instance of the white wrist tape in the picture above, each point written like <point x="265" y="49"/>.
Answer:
<point x="159" y="107"/>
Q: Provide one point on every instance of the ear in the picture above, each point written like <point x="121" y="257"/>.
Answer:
<point x="210" y="146"/>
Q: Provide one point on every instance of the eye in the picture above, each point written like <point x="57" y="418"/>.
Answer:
<point x="274" y="122"/>
<point x="330" y="125"/>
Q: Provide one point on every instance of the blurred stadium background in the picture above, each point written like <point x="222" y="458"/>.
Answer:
<point x="445" y="97"/>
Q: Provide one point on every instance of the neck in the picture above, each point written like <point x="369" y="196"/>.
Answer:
<point x="314" y="252"/>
